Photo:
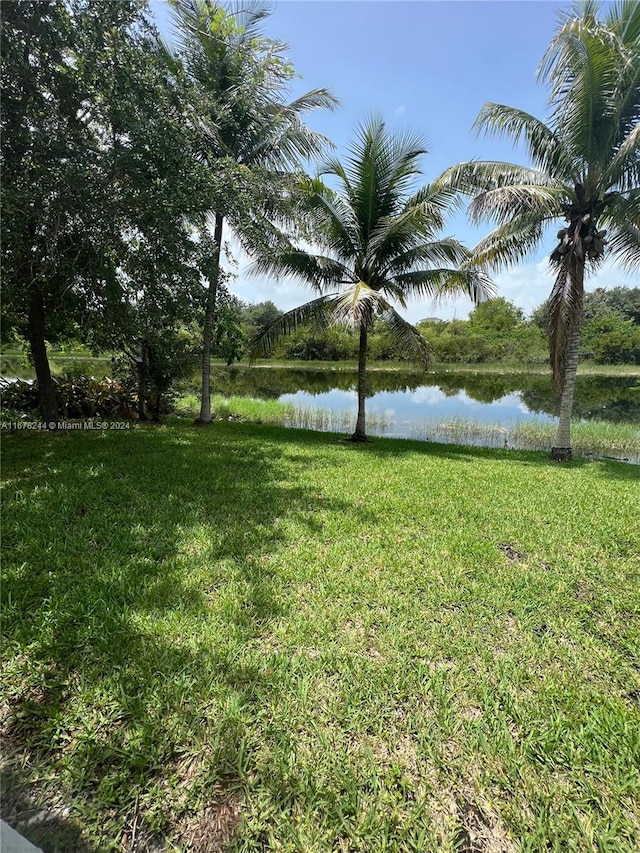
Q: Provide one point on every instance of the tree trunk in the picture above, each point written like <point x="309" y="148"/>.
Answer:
<point x="360" y="431"/>
<point x="209" y="318"/>
<point x="48" y="402"/>
<point x="143" y="380"/>
<point x="561" y="450"/>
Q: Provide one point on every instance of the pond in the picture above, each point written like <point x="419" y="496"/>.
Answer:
<point x="405" y="400"/>
<point x="471" y="407"/>
<point x="492" y="410"/>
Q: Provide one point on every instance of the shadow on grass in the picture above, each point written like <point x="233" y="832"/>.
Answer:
<point x="138" y="579"/>
<point x="45" y="824"/>
<point x="137" y="574"/>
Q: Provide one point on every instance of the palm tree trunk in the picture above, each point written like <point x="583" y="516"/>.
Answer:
<point x="209" y="319"/>
<point x="360" y="431"/>
<point x="562" y="450"/>
<point x="47" y="393"/>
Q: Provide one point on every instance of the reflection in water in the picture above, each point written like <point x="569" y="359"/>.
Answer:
<point x="413" y="396"/>
<point x="405" y="399"/>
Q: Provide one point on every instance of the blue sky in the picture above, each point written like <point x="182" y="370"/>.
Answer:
<point x="428" y="67"/>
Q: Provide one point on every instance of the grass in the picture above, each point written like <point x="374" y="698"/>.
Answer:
<point x="502" y="368"/>
<point x="279" y="414"/>
<point x="284" y="641"/>
<point x="60" y="364"/>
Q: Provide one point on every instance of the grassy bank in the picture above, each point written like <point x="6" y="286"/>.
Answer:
<point x="277" y="638"/>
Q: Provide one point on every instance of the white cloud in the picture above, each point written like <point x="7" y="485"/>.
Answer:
<point x="428" y="394"/>
<point x="401" y="110"/>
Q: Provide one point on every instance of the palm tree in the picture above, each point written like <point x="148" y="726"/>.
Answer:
<point x="250" y="136"/>
<point x="379" y="244"/>
<point x="586" y="171"/>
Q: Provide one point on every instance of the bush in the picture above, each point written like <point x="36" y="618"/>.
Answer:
<point x="78" y="396"/>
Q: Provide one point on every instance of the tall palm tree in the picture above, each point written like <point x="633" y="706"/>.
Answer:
<point x="379" y="243"/>
<point x="250" y="135"/>
<point x="586" y="171"/>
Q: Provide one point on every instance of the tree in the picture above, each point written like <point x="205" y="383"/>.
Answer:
<point x="261" y="314"/>
<point x="250" y="134"/>
<point x="379" y="243"/>
<point x="49" y="179"/>
<point x="98" y="171"/>
<point x="586" y="170"/>
<point x="624" y="300"/>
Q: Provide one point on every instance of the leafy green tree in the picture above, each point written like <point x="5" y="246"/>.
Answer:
<point x="261" y="314"/>
<point x="624" y="300"/>
<point x="51" y="187"/>
<point x="496" y="315"/>
<point x="230" y="340"/>
<point x="98" y="173"/>
<point x="586" y="171"/>
<point x="250" y="136"/>
<point x="611" y="339"/>
<point x="379" y="243"/>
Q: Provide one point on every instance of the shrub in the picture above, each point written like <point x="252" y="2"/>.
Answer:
<point x="78" y="396"/>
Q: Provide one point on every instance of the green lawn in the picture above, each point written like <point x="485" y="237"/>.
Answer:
<point x="279" y="638"/>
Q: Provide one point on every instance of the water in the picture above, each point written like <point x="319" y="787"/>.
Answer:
<point x="469" y="407"/>
<point x="405" y="413"/>
<point x="405" y="400"/>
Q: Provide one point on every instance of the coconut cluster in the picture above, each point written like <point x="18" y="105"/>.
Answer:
<point x="582" y="238"/>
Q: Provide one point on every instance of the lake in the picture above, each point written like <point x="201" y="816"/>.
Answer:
<point x="410" y="404"/>
<point x="404" y="401"/>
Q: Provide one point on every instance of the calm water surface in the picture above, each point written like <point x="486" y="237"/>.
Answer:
<point x="406" y="401"/>
<point x="404" y="413"/>
<point x="408" y="404"/>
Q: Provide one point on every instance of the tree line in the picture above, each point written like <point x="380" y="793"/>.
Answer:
<point x="496" y="331"/>
<point x="127" y="160"/>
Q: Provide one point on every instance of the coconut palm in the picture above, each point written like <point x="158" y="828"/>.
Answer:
<point x="379" y="243"/>
<point x="586" y="171"/>
<point x="250" y="136"/>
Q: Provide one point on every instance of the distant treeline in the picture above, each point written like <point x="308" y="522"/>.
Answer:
<point x="496" y="331"/>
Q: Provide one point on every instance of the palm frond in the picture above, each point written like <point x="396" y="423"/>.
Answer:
<point x="318" y="271"/>
<point x="504" y="203"/>
<point x="622" y="217"/>
<point x="544" y="146"/>
<point x="509" y="243"/>
<point x="431" y="254"/>
<point x="485" y="175"/>
<point x="434" y="202"/>
<point x="440" y="284"/>
<point x="624" y="246"/>
<point x="623" y="170"/>
<point x="337" y="226"/>
<point x="314" y="99"/>
<point x="356" y="306"/>
<point x="624" y="19"/>
<point x="582" y="66"/>
<point x="316" y="312"/>
<point x="380" y="168"/>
